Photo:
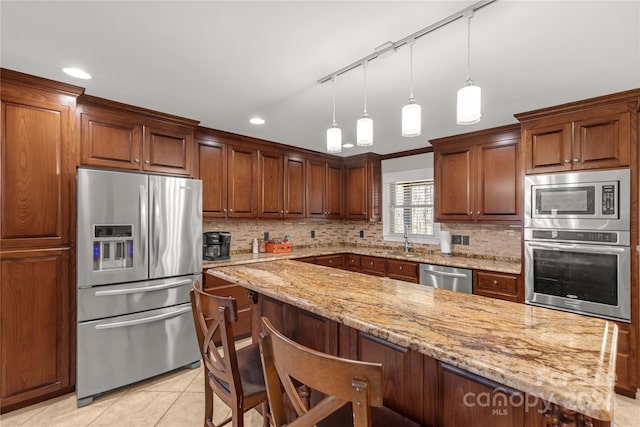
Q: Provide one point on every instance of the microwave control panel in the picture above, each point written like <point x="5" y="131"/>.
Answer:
<point x="608" y="199"/>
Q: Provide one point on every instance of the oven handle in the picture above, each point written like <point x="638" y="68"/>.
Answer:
<point x="582" y="248"/>
<point x="149" y="319"/>
<point x="142" y="289"/>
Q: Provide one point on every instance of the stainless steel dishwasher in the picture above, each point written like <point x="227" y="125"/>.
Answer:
<point x="442" y="277"/>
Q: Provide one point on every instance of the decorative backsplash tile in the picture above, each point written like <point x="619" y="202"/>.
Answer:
<point x="495" y="241"/>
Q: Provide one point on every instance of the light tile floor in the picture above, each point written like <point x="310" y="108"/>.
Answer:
<point x="175" y="400"/>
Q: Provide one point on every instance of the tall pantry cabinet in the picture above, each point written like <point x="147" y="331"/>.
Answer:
<point x="37" y="236"/>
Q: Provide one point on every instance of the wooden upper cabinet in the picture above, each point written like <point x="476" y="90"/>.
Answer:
<point x="243" y="182"/>
<point x="590" y="134"/>
<point x="324" y="189"/>
<point x="120" y="136"/>
<point x="212" y="170"/>
<point x="37" y="168"/>
<point x="363" y="198"/>
<point x="271" y="185"/>
<point x="478" y="176"/>
<point x="294" y="187"/>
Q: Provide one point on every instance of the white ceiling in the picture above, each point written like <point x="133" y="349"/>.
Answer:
<point x="224" y="62"/>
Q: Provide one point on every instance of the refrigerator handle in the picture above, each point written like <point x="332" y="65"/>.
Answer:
<point x="156" y="231"/>
<point x="143" y="222"/>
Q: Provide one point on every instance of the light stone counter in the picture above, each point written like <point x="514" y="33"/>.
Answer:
<point x="454" y="261"/>
<point x="560" y="357"/>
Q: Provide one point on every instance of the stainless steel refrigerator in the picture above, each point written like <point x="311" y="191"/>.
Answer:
<point x="139" y="247"/>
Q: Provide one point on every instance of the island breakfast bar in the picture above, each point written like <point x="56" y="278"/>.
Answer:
<point x="449" y="359"/>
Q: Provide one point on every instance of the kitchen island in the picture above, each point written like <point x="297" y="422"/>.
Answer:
<point x="449" y="359"/>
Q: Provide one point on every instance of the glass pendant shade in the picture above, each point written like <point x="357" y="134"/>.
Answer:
<point x="411" y="119"/>
<point x="469" y="98"/>
<point x="364" y="131"/>
<point x="334" y="139"/>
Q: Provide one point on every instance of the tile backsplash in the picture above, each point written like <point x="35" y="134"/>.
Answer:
<point x="501" y="241"/>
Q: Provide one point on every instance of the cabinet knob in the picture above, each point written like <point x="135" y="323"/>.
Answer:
<point x="281" y="211"/>
<point x="224" y="210"/>
<point x="353" y="260"/>
<point x="478" y="213"/>
<point x="330" y="261"/>
<point x="470" y="213"/>
<point x="576" y="160"/>
<point x="230" y="210"/>
<point x="567" y="161"/>
<point x="137" y="160"/>
<point x="400" y="268"/>
<point x="371" y="263"/>
<point x="495" y="282"/>
<point x="286" y="211"/>
<point x="147" y="161"/>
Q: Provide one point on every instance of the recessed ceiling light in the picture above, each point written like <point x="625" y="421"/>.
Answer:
<point x="77" y="73"/>
<point x="347" y="145"/>
<point x="256" y="121"/>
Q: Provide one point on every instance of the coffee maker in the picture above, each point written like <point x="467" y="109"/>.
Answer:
<point x="216" y="245"/>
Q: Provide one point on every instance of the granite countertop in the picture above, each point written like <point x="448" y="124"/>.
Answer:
<point x="564" y="358"/>
<point x="500" y="266"/>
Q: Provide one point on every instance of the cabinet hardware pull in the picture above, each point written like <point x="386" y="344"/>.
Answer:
<point x="371" y="263"/>
<point x="137" y="160"/>
<point x="147" y="161"/>
<point x="224" y="210"/>
<point x="478" y="213"/>
<point x="230" y="210"/>
<point x="495" y="282"/>
<point x="576" y="160"/>
<point x="567" y="161"/>
<point x="330" y="261"/>
<point x="470" y="213"/>
<point x="400" y="268"/>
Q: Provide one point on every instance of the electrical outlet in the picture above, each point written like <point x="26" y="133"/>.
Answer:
<point x="313" y="234"/>
<point x="456" y="239"/>
<point x="465" y="240"/>
<point x="266" y="236"/>
<point x="361" y="233"/>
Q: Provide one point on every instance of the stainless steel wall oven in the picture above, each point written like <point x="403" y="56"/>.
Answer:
<point x="577" y="254"/>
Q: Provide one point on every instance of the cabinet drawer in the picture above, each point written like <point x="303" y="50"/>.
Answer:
<point x="372" y="265"/>
<point x="403" y="270"/>
<point x="504" y="283"/>
<point x="336" y="261"/>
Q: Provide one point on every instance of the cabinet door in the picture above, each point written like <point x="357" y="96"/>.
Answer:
<point x="373" y="265"/>
<point x="356" y="197"/>
<point x="498" y="188"/>
<point x="353" y="262"/>
<point x="335" y="261"/>
<point x="454" y="185"/>
<point x="36" y="171"/>
<point x="403" y="270"/>
<point x="212" y="170"/>
<point x="110" y="141"/>
<point x="497" y="285"/>
<point x="35" y="324"/>
<point x="316" y="188"/>
<point x="167" y="149"/>
<point x="547" y="147"/>
<point x="242" y="196"/>
<point x="271" y="185"/>
<point x="625" y="366"/>
<point x="315" y="332"/>
<point x="294" y="187"/>
<point x="402" y="374"/>
<point x="470" y="401"/>
<point x="603" y="141"/>
<point x="334" y="190"/>
<point x="375" y="190"/>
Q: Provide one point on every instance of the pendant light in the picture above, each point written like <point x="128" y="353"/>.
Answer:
<point x="364" y="125"/>
<point x="334" y="134"/>
<point x="411" y="113"/>
<point x="469" y="96"/>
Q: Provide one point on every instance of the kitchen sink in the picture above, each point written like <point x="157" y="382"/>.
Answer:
<point x="403" y="254"/>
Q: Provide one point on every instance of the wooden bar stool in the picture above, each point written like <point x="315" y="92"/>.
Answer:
<point x="343" y="381"/>
<point x="235" y="376"/>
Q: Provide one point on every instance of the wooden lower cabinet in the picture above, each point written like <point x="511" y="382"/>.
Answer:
<point x="216" y="286"/>
<point x="625" y="369"/>
<point x="403" y="270"/>
<point x="498" y="285"/>
<point x="418" y="390"/>
<point x="374" y="266"/>
<point x="335" y="261"/>
<point x="36" y="326"/>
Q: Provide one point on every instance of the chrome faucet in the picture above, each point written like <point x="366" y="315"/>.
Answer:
<point x="406" y="239"/>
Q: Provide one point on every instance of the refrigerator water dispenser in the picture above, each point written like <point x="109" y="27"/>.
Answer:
<point x="112" y="247"/>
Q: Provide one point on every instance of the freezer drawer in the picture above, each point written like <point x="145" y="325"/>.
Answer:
<point x="123" y="350"/>
<point x="115" y="300"/>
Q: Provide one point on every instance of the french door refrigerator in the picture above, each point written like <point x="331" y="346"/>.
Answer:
<point x="139" y="248"/>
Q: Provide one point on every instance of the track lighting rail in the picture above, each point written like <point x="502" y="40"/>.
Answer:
<point x="390" y="47"/>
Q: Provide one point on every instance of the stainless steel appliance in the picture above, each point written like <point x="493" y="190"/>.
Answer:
<point x="577" y="254"/>
<point x="139" y="247"/>
<point x="450" y="278"/>
<point x="216" y="245"/>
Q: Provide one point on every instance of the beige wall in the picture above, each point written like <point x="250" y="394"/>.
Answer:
<point x="500" y="241"/>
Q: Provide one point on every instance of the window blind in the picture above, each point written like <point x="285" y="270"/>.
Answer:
<point x="411" y="205"/>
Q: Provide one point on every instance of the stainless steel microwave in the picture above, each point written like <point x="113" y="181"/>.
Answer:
<point x="590" y="200"/>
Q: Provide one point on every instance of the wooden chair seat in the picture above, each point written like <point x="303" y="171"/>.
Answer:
<point x="250" y="368"/>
